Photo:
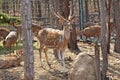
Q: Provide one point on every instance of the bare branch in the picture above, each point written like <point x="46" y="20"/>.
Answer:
<point x="71" y="10"/>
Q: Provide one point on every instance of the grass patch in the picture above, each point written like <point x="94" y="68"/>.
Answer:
<point x="4" y="50"/>
<point x="35" y="45"/>
<point x="4" y="24"/>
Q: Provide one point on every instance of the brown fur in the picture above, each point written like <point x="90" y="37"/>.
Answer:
<point x="10" y="40"/>
<point x="35" y="29"/>
<point x="94" y="31"/>
<point x="3" y="32"/>
<point x="53" y="39"/>
<point x="13" y="60"/>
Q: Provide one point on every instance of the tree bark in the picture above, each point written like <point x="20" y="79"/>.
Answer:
<point x="27" y="41"/>
<point x="108" y="22"/>
<point x="86" y="11"/>
<point x="116" y="9"/>
<point x="104" y="38"/>
<point x="97" y="61"/>
<point x="72" y="45"/>
<point x="39" y="9"/>
<point x="5" y="6"/>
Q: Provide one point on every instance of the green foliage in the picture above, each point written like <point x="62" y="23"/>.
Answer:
<point x="15" y="19"/>
<point x="0" y="5"/>
<point x="4" y="50"/>
<point x="4" y="24"/>
<point x="5" y="18"/>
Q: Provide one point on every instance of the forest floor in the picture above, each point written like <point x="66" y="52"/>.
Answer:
<point x="45" y="73"/>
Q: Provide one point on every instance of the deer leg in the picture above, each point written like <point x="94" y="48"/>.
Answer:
<point x="40" y="50"/>
<point x="10" y="50"/>
<point x="45" y="50"/>
<point x="59" y="57"/>
<point x="16" y="44"/>
<point x="63" y="61"/>
<point x="13" y="47"/>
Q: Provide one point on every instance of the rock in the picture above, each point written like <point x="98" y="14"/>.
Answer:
<point x="84" y="68"/>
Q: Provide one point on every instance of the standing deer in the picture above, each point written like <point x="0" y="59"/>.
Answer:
<point x="56" y="39"/>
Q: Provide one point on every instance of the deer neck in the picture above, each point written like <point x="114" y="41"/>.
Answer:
<point x="66" y="33"/>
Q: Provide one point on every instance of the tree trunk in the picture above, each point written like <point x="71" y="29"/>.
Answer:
<point x="97" y="61"/>
<point x="81" y="16"/>
<point x="72" y="45"/>
<point x="5" y="6"/>
<point x="94" y="2"/>
<point x="108" y="22"/>
<point x="98" y="6"/>
<point x="39" y="9"/>
<point x="27" y="41"/>
<point x="116" y="9"/>
<point x="14" y="7"/>
<point x="86" y="11"/>
<point x="104" y="39"/>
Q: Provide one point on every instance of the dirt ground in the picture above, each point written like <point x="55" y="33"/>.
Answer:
<point x="45" y="73"/>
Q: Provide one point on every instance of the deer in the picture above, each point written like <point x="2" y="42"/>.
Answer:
<point x="50" y="38"/>
<point x="10" y="40"/>
<point x="94" y="31"/>
<point x="13" y="60"/>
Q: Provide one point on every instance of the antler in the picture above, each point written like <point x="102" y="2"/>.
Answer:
<point x="71" y="10"/>
<point x="57" y="14"/>
<point x="51" y="8"/>
<point x="61" y="17"/>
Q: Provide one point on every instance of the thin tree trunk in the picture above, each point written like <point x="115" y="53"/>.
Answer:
<point x="72" y="45"/>
<point x="94" y="2"/>
<point x="5" y="6"/>
<point x="97" y="61"/>
<point x="104" y="38"/>
<point x="86" y="11"/>
<point x="14" y="7"/>
<point x="81" y="18"/>
<point x="98" y="8"/>
<point x="39" y="9"/>
<point x="116" y="9"/>
<point x="108" y="22"/>
<point x="27" y="41"/>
